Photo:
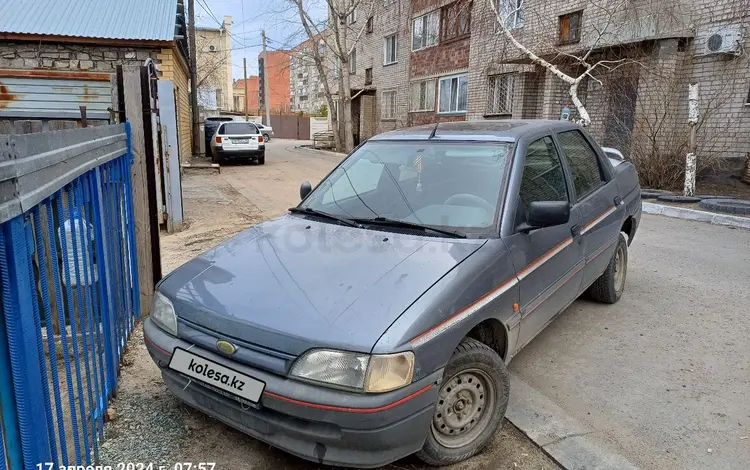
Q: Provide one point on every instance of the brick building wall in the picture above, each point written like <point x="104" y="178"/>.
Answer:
<point x="252" y="99"/>
<point x="34" y="55"/>
<point x="278" y="80"/>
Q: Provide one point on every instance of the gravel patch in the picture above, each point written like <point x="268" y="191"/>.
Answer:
<point x="149" y="421"/>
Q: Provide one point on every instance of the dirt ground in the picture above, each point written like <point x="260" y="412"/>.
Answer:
<point x="151" y="425"/>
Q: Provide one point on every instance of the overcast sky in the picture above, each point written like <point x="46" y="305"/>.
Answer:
<point x="278" y="17"/>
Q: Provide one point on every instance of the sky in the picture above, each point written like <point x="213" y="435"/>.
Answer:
<point x="278" y="17"/>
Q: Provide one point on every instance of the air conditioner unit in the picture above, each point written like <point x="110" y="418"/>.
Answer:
<point x="725" y="40"/>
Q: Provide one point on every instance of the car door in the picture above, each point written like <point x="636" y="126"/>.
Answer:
<point x="549" y="260"/>
<point x="597" y="200"/>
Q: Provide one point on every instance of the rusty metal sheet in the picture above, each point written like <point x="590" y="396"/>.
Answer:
<point x="33" y="97"/>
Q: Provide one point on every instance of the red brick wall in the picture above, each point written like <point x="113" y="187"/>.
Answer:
<point x="442" y="58"/>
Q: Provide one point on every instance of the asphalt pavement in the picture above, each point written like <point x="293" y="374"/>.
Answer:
<point x="662" y="378"/>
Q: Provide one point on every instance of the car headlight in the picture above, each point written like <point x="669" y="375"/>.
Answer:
<point x="375" y="374"/>
<point x="163" y="314"/>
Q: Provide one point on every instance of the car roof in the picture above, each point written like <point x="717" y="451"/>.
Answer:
<point x="508" y="130"/>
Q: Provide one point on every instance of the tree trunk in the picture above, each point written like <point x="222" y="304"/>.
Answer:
<point x="346" y="90"/>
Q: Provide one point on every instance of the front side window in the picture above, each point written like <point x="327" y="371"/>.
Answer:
<point x="583" y="162"/>
<point x="543" y="177"/>
<point x="422" y="96"/>
<point x="500" y="94"/>
<point x="425" y="30"/>
<point x="453" y="185"/>
<point x="389" y="105"/>
<point x="453" y="94"/>
<point x="389" y="49"/>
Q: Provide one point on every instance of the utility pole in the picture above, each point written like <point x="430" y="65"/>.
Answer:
<point x="690" y="158"/>
<point x="267" y="100"/>
<point x="244" y="68"/>
<point x="194" y="79"/>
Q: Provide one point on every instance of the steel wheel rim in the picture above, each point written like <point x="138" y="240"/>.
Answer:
<point x="464" y="408"/>
<point x="619" y="268"/>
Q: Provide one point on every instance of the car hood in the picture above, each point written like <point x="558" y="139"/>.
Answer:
<point x="292" y="284"/>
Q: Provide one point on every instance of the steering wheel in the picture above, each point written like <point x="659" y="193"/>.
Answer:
<point x="463" y="199"/>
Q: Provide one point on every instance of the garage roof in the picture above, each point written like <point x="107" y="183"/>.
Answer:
<point x="106" y="19"/>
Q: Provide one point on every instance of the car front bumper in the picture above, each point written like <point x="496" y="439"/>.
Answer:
<point x="316" y="423"/>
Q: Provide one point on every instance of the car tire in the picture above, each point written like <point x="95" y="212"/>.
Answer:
<point x="477" y="381"/>
<point x="262" y="159"/>
<point x="266" y="138"/>
<point x="608" y="288"/>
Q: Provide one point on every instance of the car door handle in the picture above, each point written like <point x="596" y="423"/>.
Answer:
<point x="575" y="231"/>
<point x="617" y="201"/>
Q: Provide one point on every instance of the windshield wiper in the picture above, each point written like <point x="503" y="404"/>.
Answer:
<point x="325" y="215"/>
<point x="403" y="224"/>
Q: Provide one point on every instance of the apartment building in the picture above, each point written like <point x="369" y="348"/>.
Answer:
<point x="278" y="80"/>
<point x="305" y="86"/>
<point x="637" y="99"/>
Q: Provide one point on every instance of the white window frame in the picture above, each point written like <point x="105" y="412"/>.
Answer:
<point x="492" y="109"/>
<point x="425" y="20"/>
<point x="352" y="18"/>
<point x="353" y="62"/>
<point x="384" y="108"/>
<point x="505" y="7"/>
<point x="394" y="60"/>
<point x="415" y="107"/>
<point x="449" y="78"/>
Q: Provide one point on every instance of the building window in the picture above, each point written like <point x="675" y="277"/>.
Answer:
<point x="500" y="94"/>
<point x="321" y="94"/>
<point x="422" y="96"/>
<point x="511" y="13"/>
<point x="299" y="75"/>
<point x="368" y="76"/>
<point x="570" y="28"/>
<point x="303" y="98"/>
<point x="389" y="49"/>
<point x="389" y="105"/>
<point x="456" y="20"/>
<point x="424" y="31"/>
<point x="369" y="28"/>
<point x="353" y="16"/>
<point x="747" y="101"/>
<point x="453" y="94"/>
<point x="353" y="62"/>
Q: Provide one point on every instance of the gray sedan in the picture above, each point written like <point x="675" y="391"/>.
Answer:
<point x="376" y="319"/>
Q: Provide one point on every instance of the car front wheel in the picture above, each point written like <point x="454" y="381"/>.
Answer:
<point x="470" y="407"/>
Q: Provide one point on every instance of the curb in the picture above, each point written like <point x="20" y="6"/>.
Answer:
<point x="696" y="215"/>
<point x="324" y="152"/>
<point x="570" y="443"/>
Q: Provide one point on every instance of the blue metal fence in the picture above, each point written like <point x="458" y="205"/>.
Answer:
<point x="69" y="289"/>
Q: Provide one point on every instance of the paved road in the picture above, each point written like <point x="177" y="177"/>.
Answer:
<point x="661" y="377"/>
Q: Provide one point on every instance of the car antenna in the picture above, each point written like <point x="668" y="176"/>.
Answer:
<point x="432" y="134"/>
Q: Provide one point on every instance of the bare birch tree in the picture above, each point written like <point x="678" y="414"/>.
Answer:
<point x="340" y="37"/>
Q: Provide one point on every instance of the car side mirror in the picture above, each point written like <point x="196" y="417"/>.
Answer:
<point x="304" y="190"/>
<point x="546" y="214"/>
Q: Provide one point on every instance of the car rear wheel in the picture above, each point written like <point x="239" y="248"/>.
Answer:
<point x="470" y="407"/>
<point x="266" y="137"/>
<point x="608" y="288"/>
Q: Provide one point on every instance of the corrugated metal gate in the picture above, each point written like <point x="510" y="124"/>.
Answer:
<point x="291" y="127"/>
<point x="54" y="95"/>
<point x="68" y="290"/>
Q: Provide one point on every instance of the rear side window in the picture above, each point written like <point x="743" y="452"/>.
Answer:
<point x="234" y="128"/>
<point x="583" y="162"/>
<point x="543" y="177"/>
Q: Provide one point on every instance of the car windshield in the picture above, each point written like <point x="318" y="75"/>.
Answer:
<point x="447" y="185"/>
<point x="238" y="128"/>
